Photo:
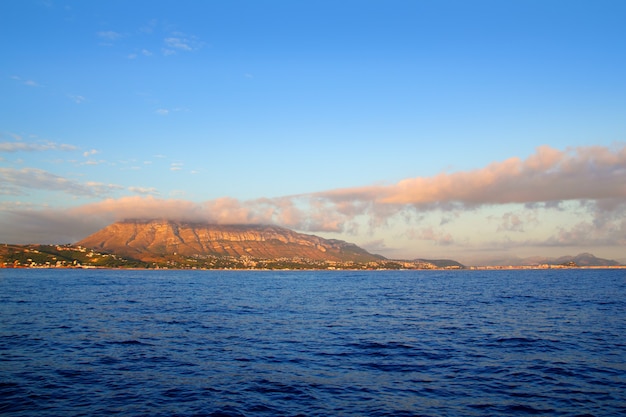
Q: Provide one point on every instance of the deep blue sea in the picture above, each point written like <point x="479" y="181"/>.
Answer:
<point x="263" y="343"/>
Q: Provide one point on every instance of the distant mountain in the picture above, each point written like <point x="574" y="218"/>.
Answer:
<point x="585" y="259"/>
<point x="441" y="263"/>
<point x="582" y="259"/>
<point x="152" y="239"/>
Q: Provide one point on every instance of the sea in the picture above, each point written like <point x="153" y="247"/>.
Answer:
<point x="312" y="343"/>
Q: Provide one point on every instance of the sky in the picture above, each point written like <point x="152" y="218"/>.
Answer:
<point x="415" y="129"/>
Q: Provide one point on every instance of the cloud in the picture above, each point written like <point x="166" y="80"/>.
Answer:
<point x="90" y="161"/>
<point x="166" y="112"/>
<point x="143" y="190"/>
<point x="546" y="178"/>
<point x="591" y="176"/>
<point x="180" y="42"/>
<point x="62" y="225"/>
<point x="50" y="226"/>
<point x="149" y="27"/>
<point x="549" y="175"/>
<point x="142" y="208"/>
<point x="177" y="43"/>
<point x="375" y="246"/>
<point x="512" y="222"/>
<point x="34" y="147"/>
<point x="439" y="237"/>
<point x="18" y="181"/>
<point x="605" y="228"/>
<point x="29" y="83"/>
<point x="76" y="98"/>
<point x="109" y="35"/>
<point x="144" y="52"/>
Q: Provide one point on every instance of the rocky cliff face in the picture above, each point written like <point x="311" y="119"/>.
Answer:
<point x="146" y="239"/>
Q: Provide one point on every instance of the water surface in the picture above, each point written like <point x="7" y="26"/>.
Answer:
<point x="379" y="343"/>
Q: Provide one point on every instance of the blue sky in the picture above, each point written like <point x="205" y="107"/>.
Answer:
<point x="457" y="129"/>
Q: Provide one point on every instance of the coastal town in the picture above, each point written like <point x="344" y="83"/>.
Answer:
<point x="79" y="257"/>
<point x="69" y="256"/>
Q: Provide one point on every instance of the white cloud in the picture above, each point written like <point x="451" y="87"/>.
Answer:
<point x="177" y="43"/>
<point x="181" y="42"/>
<point x="16" y="136"/>
<point x="76" y="98"/>
<point x="19" y="181"/>
<point x="143" y="52"/>
<point x="109" y="35"/>
<point x="92" y="162"/>
<point x="166" y="112"/>
<point x="144" y="190"/>
<point x="34" y="147"/>
<point x="30" y="83"/>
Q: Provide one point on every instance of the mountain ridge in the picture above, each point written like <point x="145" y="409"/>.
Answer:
<point x="180" y="244"/>
<point x="150" y="239"/>
<point x="582" y="259"/>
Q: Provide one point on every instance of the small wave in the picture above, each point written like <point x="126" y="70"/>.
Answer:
<point x="129" y="342"/>
<point x="539" y="345"/>
<point x="227" y="412"/>
<point x="265" y="386"/>
<point x="527" y="409"/>
<point x="515" y="340"/>
<point x="398" y="367"/>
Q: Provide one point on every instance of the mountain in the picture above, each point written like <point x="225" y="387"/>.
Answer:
<point x="582" y="259"/>
<point x="152" y="239"/>
<point x="585" y="259"/>
<point x="441" y="263"/>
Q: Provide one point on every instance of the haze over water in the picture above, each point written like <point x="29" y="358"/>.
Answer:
<point x="234" y="343"/>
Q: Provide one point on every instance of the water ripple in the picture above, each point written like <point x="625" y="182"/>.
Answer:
<point x="408" y="343"/>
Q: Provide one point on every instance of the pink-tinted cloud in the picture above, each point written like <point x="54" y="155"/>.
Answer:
<point x="511" y="222"/>
<point x="594" y="173"/>
<point x="140" y="208"/>
<point x="545" y="179"/>
<point x="439" y="237"/>
<point x="596" y="176"/>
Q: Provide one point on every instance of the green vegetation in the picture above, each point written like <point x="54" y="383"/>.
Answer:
<point x="61" y="256"/>
<point x="69" y="256"/>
